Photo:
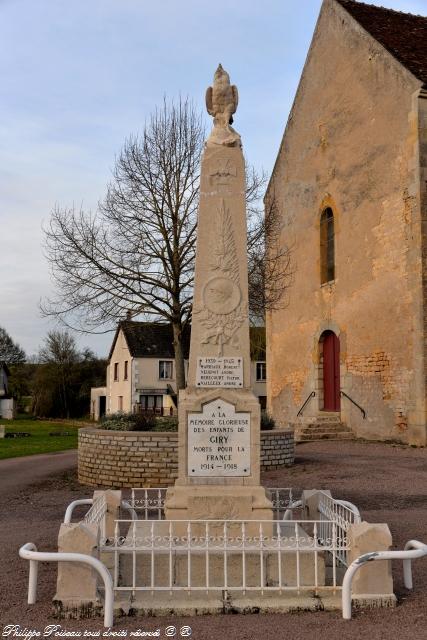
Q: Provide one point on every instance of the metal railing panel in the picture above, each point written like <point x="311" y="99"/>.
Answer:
<point x="336" y="516"/>
<point x="96" y="514"/>
<point x="215" y="555"/>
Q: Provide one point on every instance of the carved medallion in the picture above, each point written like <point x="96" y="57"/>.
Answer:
<point x="221" y="295"/>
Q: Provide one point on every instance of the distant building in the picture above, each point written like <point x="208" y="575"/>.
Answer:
<point x="6" y="401"/>
<point x="350" y="182"/>
<point x="141" y="370"/>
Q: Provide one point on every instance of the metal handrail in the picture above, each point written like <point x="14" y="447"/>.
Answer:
<point x="312" y="394"/>
<point x="413" y="549"/>
<point x="343" y="393"/>
<point x="352" y="507"/>
<point x="29" y="552"/>
<point x="89" y="501"/>
<point x="288" y="513"/>
<point x="69" y="512"/>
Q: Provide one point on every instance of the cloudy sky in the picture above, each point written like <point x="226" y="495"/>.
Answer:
<point x="78" y="76"/>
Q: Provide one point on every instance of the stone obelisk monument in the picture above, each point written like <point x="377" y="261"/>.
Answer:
<point x="219" y="416"/>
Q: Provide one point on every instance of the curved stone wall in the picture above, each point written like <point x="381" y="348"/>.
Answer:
<point x="150" y="459"/>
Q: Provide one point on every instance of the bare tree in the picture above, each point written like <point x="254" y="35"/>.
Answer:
<point x="58" y="355"/>
<point x="270" y="267"/>
<point x="60" y="381"/>
<point x="136" y="255"/>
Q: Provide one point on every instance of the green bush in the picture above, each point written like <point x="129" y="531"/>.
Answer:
<point x="267" y="421"/>
<point x="144" y="423"/>
<point x="137" y="422"/>
<point x="166" y="424"/>
<point x="118" y="422"/>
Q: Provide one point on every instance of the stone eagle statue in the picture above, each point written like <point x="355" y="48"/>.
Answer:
<point x="222" y="99"/>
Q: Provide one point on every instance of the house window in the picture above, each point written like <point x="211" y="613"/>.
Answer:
<point x="120" y="403"/>
<point x="151" y="403"/>
<point x="165" y="369"/>
<point x="116" y="371"/>
<point x="327" y="246"/>
<point x="261" y="371"/>
<point x="125" y="377"/>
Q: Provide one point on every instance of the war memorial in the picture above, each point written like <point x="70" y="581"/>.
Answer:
<point x="217" y="541"/>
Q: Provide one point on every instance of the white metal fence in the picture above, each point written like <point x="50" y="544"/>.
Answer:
<point x="150" y="553"/>
<point x="149" y="503"/>
<point x="218" y="555"/>
<point x="338" y="515"/>
<point x="97" y="512"/>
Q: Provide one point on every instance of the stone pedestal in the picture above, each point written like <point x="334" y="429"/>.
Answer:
<point x="373" y="583"/>
<point x="219" y="416"/>
<point x="77" y="584"/>
<point x="227" y="496"/>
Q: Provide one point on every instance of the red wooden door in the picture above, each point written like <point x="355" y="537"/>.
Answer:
<point x="331" y="371"/>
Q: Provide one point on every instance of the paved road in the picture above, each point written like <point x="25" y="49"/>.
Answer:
<point x="388" y="484"/>
<point x="26" y="470"/>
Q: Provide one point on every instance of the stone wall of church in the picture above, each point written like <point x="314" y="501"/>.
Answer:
<point x="351" y="144"/>
<point x="422" y="133"/>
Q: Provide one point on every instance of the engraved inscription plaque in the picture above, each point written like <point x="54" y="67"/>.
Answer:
<point x="219" y="372"/>
<point x="219" y="441"/>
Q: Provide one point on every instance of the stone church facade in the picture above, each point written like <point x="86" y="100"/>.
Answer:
<point x="350" y="182"/>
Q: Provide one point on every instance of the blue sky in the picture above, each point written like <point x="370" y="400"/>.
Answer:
<point x="78" y="76"/>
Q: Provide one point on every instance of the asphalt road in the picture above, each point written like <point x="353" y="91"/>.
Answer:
<point x="389" y="484"/>
<point x="18" y="473"/>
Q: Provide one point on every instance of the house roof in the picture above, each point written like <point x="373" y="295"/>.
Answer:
<point x="403" y="35"/>
<point x="149" y="339"/>
<point x="155" y="340"/>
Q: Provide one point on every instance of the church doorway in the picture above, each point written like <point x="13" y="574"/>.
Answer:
<point x="329" y="352"/>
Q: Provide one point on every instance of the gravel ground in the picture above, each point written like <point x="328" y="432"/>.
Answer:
<point x="388" y="483"/>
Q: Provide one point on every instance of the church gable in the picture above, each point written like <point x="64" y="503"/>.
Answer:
<point x="403" y="35"/>
<point x="349" y="82"/>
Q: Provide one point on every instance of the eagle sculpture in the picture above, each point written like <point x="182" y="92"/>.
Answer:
<point x="222" y="98"/>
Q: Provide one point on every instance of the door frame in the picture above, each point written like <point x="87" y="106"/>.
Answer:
<point x="329" y="376"/>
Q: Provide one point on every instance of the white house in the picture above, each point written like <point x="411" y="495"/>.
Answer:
<point x="141" y="370"/>
<point x="6" y="402"/>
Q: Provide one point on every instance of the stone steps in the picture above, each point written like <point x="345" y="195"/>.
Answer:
<point x="306" y="437"/>
<point x="327" y="427"/>
<point x="320" y="428"/>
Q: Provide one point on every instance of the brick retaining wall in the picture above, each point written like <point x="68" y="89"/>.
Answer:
<point x="277" y="449"/>
<point x="150" y="459"/>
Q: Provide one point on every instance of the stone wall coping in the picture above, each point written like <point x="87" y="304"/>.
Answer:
<point x="277" y="432"/>
<point x="152" y="434"/>
<point x="119" y="433"/>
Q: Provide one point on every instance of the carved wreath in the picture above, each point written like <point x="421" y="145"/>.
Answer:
<point x="223" y="311"/>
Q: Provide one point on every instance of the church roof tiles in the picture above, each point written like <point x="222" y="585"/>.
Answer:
<point x="404" y="35"/>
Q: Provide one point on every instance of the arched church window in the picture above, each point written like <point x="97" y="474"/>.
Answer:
<point x="327" y="246"/>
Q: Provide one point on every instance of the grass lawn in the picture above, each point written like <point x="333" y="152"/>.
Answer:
<point x="39" y="441"/>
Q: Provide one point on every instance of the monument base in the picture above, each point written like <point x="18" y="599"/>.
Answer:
<point x="228" y="421"/>
<point x="217" y="502"/>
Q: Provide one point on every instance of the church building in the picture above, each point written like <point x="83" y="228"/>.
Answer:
<point x="350" y="182"/>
